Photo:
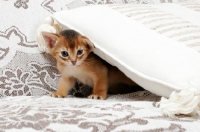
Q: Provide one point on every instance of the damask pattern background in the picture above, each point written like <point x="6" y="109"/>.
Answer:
<point x="24" y="69"/>
<point x="30" y="75"/>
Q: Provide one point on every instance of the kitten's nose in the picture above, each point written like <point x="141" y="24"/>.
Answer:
<point x="73" y="62"/>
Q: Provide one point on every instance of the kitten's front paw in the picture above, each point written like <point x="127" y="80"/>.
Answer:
<point x="92" y="96"/>
<point x="56" y="95"/>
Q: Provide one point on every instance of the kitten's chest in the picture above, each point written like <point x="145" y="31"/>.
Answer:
<point x="79" y="74"/>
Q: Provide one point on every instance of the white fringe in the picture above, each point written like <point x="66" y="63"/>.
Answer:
<point x="48" y="26"/>
<point x="185" y="102"/>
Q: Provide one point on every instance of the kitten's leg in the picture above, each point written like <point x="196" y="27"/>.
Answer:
<point x="65" y="84"/>
<point x="99" y="89"/>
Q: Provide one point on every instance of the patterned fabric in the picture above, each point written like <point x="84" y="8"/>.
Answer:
<point x="165" y="23"/>
<point x="131" y="112"/>
<point x="24" y="70"/>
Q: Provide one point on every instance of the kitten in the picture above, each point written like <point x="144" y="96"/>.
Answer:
<point x="75" y="60"/>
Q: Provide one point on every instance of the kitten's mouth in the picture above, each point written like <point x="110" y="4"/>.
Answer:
<point x="74" y="65"/>
<point x="71" y="65"/>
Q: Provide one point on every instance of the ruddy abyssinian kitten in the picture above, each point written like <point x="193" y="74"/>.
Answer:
<point x="75" y="60"/>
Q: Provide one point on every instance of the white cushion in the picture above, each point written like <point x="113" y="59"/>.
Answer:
<point x="147" y="42"/>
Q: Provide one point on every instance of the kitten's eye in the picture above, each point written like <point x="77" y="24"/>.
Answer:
<point x="79" y="52"/>
<point x="64" y="53"/>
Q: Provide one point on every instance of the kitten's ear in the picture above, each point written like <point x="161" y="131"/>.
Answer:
<point x="50" y="39"/>
<point x="88" y="43"/>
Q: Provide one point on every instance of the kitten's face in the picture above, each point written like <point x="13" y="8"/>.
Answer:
<point x="69" y="47"/>
<point x="71" y="54"/>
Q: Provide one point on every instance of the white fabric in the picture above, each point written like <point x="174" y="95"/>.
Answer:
<point x="159" y="64"/>
<point x="182" y="12"/>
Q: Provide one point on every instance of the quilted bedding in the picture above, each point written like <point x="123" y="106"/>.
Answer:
<point x="27" y="76"/>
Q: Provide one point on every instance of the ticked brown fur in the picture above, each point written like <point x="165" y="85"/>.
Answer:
<point x="75" y="60"/>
